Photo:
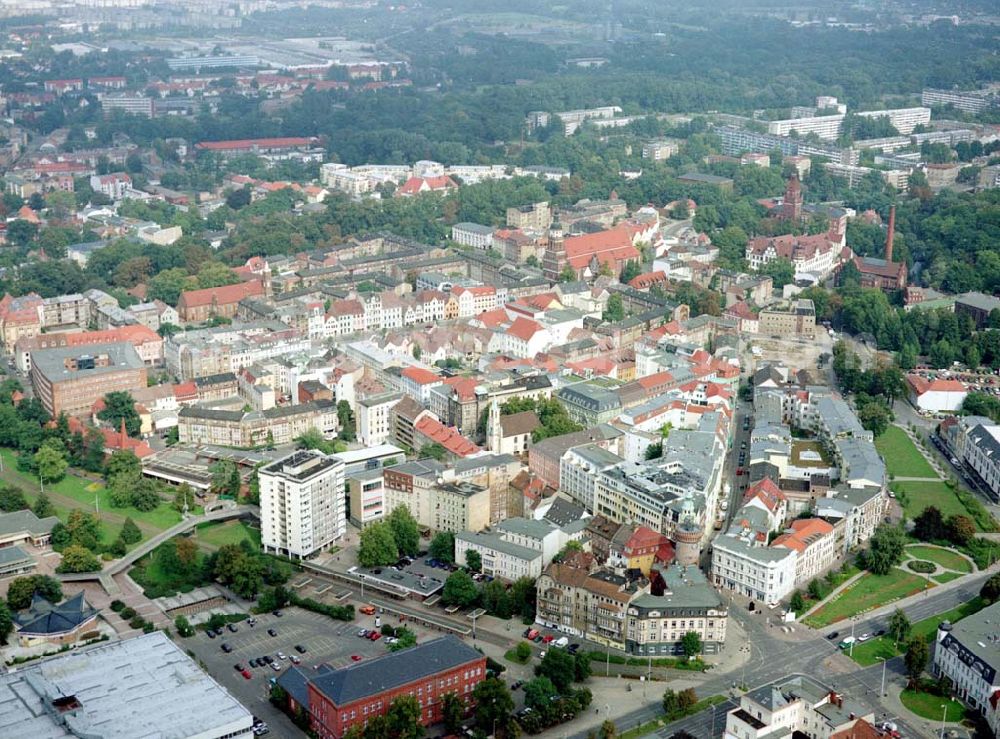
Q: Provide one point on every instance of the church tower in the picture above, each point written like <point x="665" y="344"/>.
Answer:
<point x="554" y="259"/>
<point x="791" y="209"/>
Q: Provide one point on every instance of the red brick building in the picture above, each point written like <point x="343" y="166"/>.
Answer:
<point x="340" y="699"/>
<point x="195" y="306"/>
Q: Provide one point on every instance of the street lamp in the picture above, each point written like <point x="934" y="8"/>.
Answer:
<point x="882" y="693"/>
<point x="711" y="734"/>
<point x="745" y="649"/>
<point x="944" y="715"/>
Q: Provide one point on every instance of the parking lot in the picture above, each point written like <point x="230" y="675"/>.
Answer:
<point x="326" y="641"/>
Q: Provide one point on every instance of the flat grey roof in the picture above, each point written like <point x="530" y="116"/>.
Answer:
<point x="497" y="542"/>
<point x="141" y="687"/>
<point x="51" y="362"/>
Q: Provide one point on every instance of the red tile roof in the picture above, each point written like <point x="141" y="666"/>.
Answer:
<point x="220" y="295"/>
<point x="607" y="247"/>
<point x="804" y="533"/>
<point x="421" y="376"/>
<point x="287" y="142"/>
<point x="446" y="436"/>
<point x="416" y="185"/>
<point x="921" y="385"/>
<point x="524" y="328"/>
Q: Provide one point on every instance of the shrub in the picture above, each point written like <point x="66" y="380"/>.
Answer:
<point x="116" y="605"/>
<point x="148" y="628"/>
<point x="137" y="622"/>
<point x="919" y="565"/>
<point x="127" y="613"/>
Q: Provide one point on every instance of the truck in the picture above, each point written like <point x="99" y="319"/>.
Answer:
<point x="562" y="642"/>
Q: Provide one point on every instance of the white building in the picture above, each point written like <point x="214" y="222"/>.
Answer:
<point x="374" y="419"/>
<point x="579" y="469"/>
<point x="114" y="185"/>
<point x="302" y="503"/>
<point x="904" y="119"/>
<point x="500" y="558"/>
<point x="144" y="686"/>
<point x="472" y="234"/>
<point x="934" y="396"/>
<point x="968" y="653"/>
<point x="825" y="126"/>
<point x="765" y="574"/>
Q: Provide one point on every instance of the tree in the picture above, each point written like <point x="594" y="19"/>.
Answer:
<point x="797" y="603"/>
<point x="815" y="590"/>
<point x="780" y="270"/>
<point x="452" y="712"/>
<point x="345" y="420"/>
<point x="608" y="730"/>
<point x="630" y="271"/>
<point x="6" y="622"/>
<point x="146" y="496"/>
<point x="523" y="651"/>
<point x="990" y="592"/>
<point x="581" y="667"/>
<point x="917" y="654"/>
<point x="238" y="198"/>
<point x="875" y="416"/>
<point x="496" y="599"/>
<point x="12" y="499"/>
<point x="183" y="626"/>
<point x="184" y="498"/>
<point x="929" y="525"/>
<point x="523" y="596"/>
<point x="567" y="274"/>
<point x="84" y="530"/>
<point x="50" y="463"/>
<point x="377" y="546"/>
<point x="473" y="560"/>
<point x="43" y="507"/>
<point x="20" y="592"/>
<point x="459" y="590"/>
<point x="442" y="547"/>
<point x="119" y="405"/>
<point x="405" y="530"/>
<point x="78" y="559"/>
<point x="240" y="569"/>
<point x="885" y="549"/>
<point x="558" y="666"/>
<point x="899" y="626"/>
<point x="615" y="309"/>
<point x="404" y="640"/>
<point x="961" y="529"/>
<point x="403" y="719"/>
<point x="691" y="644"/>
<point x="539" y="693"/>
<point x="434" y="451"/>
<point x="493" y="702"/>
<point x="21" y="232"/>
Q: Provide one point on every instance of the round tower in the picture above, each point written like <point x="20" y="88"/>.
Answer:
<point x="687" y="535"/>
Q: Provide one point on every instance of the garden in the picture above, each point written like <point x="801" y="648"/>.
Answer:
<point x="868" y="592"/>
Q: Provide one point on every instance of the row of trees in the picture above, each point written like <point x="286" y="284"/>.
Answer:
<point x="383" y="542"/>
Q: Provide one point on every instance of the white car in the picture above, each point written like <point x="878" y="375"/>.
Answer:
<point x="282" y="655"/>
<point x="864" y="637"/>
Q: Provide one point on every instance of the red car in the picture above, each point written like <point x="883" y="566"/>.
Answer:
<point x="375" y="636"/>
<point x="739" y="471"/>
<point x="355" y="658"/>
<point x="548" y="639"/>
<point x="246" y="674"/>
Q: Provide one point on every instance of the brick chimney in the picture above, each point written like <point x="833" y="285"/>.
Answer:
<point x="891" y="234"/>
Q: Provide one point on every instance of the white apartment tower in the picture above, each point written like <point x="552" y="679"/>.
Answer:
<point x="302" y="503"/>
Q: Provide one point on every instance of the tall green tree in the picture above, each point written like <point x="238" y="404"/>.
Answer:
<point x="43" y="507"/>
<point x="474" y="560"/>
<point x="899" y="626"/>
<point x="50" y="463"/>
<point x="558" y="666"/>
<point x="405" y="530"/>
<point x="691" y="644"/>
<point x="120" y="405"/>
<point x="459" y="590"/>
<point x="494" y="703"/>
<point x="917" y="654"/>
<point x="442" y="547"/>
<point x="452" y="713"/>
<point x="377" y="545"/>
<point x="403" y="719"/>
<point x="885" y="550"/>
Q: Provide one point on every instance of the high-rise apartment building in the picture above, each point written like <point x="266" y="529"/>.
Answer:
<point x="302" y="503"/>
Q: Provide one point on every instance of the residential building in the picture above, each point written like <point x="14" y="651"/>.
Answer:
<point x="545" y="457"/>
<point x="336" y="700"/>
<point x="825" y="126"/>
<point x="968" y="101"/>
<point x="374" y="418"/>
<point x="113" y="185"/>
<point x="69" y="379"/>
<point x="534" y="217"/>
<point x="764" y="574"/>
<point x="797" y="706"/>
<point x="813" y="257"/>
<point x="904" y="119"/>
<point x="461" y="506"/>
<point x="680" y="600"/>
<point x="129" y="687"/>
<point x="501" y="558"/>
<point x="580" y="468"/>
<point x="977" y="306"/>
<point x="301" y="503"/>
<point x="127" y="104"/>
<point x="968" y="654"/>
<point x="814" y="541"/>
<point x="660" y="149"/>
<point x="409" y="484"/>
<point x="238" y="428"/>
<point x="15" y="561"/>
<point x="472" y="234"/>
<point x="980" y="452"/>
<point x="796" y="319"/>
<point x="366" y="496"/>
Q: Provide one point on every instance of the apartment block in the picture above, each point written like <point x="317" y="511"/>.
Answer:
<point x="69" y="379"/>
<point x="302" y="503"/>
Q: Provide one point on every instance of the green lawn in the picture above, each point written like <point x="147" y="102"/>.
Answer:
<point x="902" y="458"/>
<point x="868" y="654"/>
<point x="920" y="495"/>
<point x="227" y="532"/>
<point x="946" y="577"/>
<point x="944" y="557"/>
<point x="90" y="495"/>
<point x="870" y="591"/>
<point x="928" y="705"/>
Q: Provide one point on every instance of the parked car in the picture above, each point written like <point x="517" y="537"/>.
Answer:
<point x="238" y="667"/>
<point x="232" y="628"/>
<point x="211" y="633"/>
<point x="295" y="660"/>
<point x="356" y="658"/>
<point x="516" y="684"/>
<point x="562" y="642"/>
<point x="573" y="647"/>
<point x="538" y="638"/>
<point x="272" y="632"/>
<point x="864" y="637"/>
<point x="363" y="633"/>
<point x="880" y="632"/>
<point x="246" y="674"/>
<point x="367" y="610"/>
<point x="548" y="639"/>
<point x="833" y="635"/>
<point x="375" y="636"/>
<point x="226" y="648"/>
<point x="277" y="613"/>
<point x="300" y="649"/>
<point x="282" y="655"/>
